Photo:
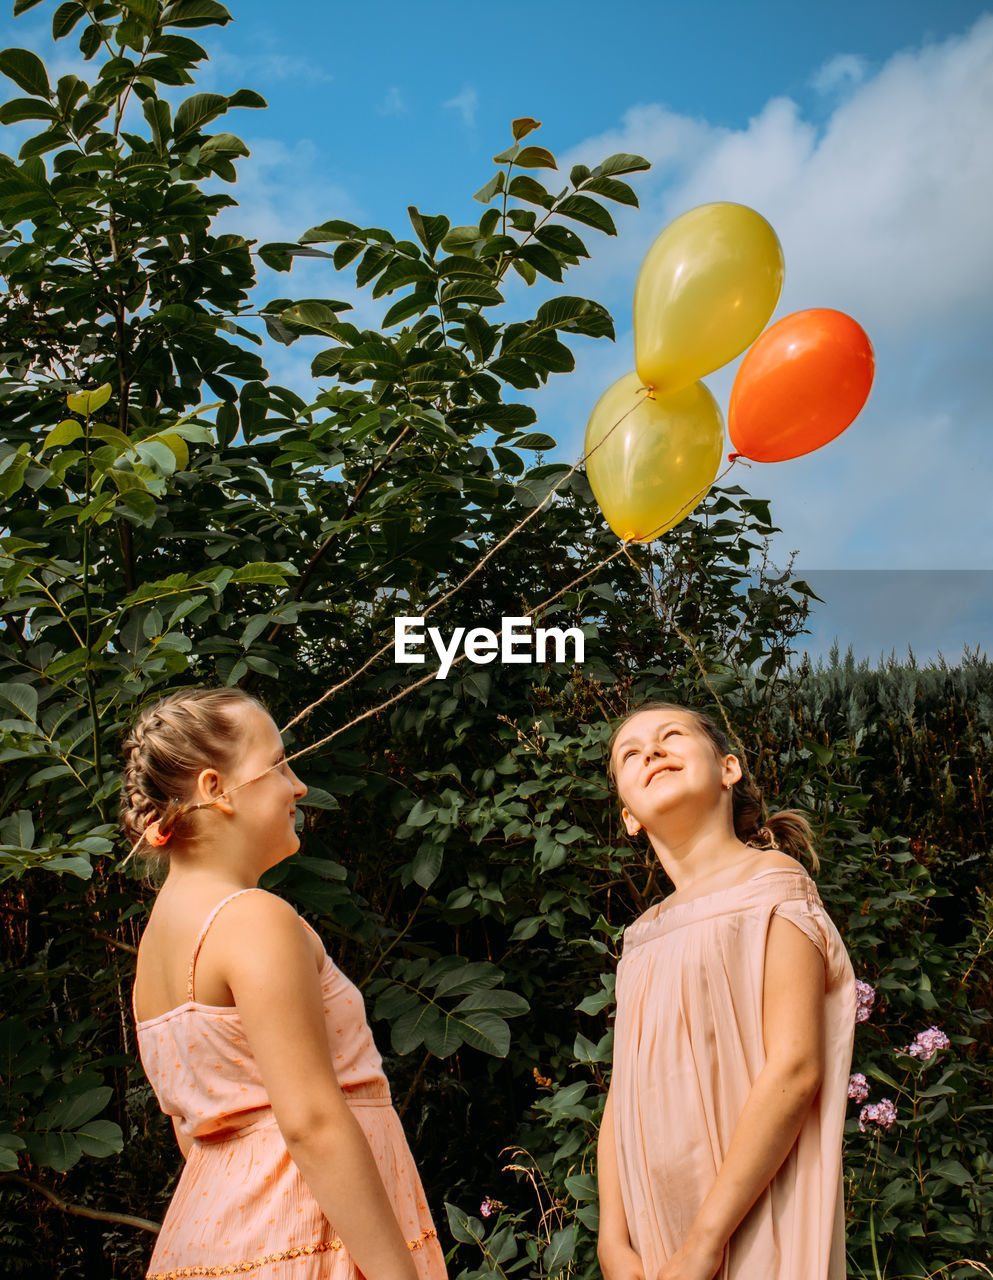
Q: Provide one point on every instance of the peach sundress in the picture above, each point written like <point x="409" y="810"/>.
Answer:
<point x="688" y="1046"/>
<point x="242" y="1205"/>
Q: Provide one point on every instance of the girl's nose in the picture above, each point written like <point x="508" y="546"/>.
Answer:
<point x="299" y="788"/>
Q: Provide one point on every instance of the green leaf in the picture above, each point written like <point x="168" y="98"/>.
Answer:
<point x="619" y="191"/>
<point x="534" y="158"/>
<point x="65" y="18"/>
<point x="485" y="1031"/>
<point x="416" y="303"/>
<point x="195" y="13"/>
<point x="562" y="240"/>
<point x="18" y="109"/>
<point x="68" y="430"/>
<point x="263" y="571"/>
<point x="485" y="194"/>
<point x="196" y="111"/>
<point x="465" y="1229"/>
<point x="535" y="440"/>
<point x="583" y="209"/>
<point x="427" y="864"/>
<point x="559" y="1253"/>
<point x="278" y="255"/>
<point x="247" y="98"/>
<point x="524" y="188"/>
<point x="400" y="272"/>
<point x="525" y="270"/>
<point x="623" y="162"/>
<point x="58" y="1151"/>
<point x="429" y="230"/>
<point x="87" y="402"/>
<point x="23" y="697"/>
<point x="26" y="70"/>
<point x="78" y="1109"/>
<point x="572" y="315"/>
<point x="328" y="232"/>
<point x="470" y="289"/>
<point x="100" y="1138"/>
<point x="146" y="10"/>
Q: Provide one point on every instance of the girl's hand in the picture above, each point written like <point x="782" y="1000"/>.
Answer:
<point x="619" y="1261"/>
<point x="693" y="1262"/>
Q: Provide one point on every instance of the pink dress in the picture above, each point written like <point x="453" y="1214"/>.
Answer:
<point x="687" y="1048"/>
<point x="241" y="1205"/>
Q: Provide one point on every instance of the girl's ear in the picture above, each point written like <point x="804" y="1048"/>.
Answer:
<point x="210" y="792"/>
<point x="732" y="770"/>
<point x="631" y="823"/>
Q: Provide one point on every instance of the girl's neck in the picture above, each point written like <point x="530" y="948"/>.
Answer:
<point x="187" y="871"/>
<point x="692" y="858"/>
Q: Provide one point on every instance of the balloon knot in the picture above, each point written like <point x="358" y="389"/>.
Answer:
<point x="733" y="457"/>
<point x="650" y="391"/>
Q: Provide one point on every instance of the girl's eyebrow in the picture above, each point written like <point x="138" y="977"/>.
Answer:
<point x="634" y="742"/>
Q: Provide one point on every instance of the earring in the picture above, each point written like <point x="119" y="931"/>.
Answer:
<point x="726" y="786"/>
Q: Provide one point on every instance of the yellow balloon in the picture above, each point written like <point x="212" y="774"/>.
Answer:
<point x="705" y="292"/>
<point x="650" y="461"/>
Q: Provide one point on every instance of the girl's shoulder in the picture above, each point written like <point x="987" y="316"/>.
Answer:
<point x="773" y="860"/>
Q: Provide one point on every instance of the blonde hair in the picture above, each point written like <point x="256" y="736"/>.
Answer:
<point x="170" y="743"/>
<point x="787" y="829"/>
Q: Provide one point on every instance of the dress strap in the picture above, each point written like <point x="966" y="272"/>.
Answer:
<point x="203" y="933"/>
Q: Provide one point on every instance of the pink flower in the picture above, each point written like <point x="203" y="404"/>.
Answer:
<point x="858" y="1087"/>
<point x="490" y="1206"/>
<point x="865" y="998"/>
<point x="881" y="1113"/>
<point x="928" y="1043"/>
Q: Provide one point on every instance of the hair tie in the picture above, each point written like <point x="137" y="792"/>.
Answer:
<point x="154" y="836"/>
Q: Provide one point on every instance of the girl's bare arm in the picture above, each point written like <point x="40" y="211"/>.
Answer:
<point x="269" y="964"/>
<point x="777" y="1104"/>
<point x="618" y="1260"/>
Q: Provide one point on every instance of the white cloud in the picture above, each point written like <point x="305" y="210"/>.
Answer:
<point x="841" y="72"/>
<point x="225" y="71"/>
<point x="282" y="190"/>
<point x="394" y="103"/>
<point x="465" y="103"/>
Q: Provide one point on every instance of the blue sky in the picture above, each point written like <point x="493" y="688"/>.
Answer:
<point x="860" y="130"/>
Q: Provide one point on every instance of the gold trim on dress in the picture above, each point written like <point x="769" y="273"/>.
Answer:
<point x="285" y="1255"/>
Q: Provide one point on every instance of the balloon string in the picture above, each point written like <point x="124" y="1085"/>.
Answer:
<point x="621" y="550"/>
<point x="417" y="684"/>
<point x="302" y="715"/>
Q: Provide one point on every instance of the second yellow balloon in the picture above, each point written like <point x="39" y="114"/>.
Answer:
<point x="650" y="461"/>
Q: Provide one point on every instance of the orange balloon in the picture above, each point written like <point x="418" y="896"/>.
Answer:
<point x="801" y="384"/>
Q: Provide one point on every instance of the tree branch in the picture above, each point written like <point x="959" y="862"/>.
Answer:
<point x="79" y="1210"/>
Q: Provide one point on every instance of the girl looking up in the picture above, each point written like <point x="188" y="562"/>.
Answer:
<point x="254" y="1042"/>
<point x="720" y="1147"/>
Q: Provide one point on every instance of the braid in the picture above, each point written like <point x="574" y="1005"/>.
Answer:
<point x="168" y="746"/>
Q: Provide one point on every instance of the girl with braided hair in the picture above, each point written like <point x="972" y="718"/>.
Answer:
<point x="255" y="1043"/>
<point x="720" y="1148"/>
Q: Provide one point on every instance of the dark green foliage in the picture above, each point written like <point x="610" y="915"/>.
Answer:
<point x="924" y="738"/>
